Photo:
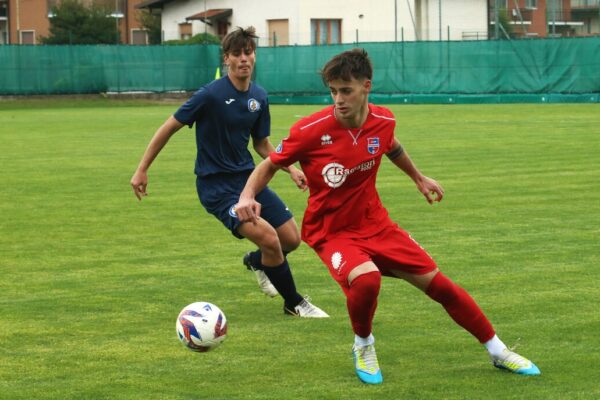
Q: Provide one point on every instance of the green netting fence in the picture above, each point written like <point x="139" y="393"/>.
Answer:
<point x="538" y="70"/>
<point x="28" y="70"/>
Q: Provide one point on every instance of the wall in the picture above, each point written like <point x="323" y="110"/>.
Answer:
<point x="377" y="23"/>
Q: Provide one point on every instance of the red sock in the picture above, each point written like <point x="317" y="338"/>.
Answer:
<point x="361" y="299"/>
<point x="461" y="307"/>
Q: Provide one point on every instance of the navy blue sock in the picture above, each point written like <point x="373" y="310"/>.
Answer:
<point x="281" y="278"/>
<point x="256" y="259"/>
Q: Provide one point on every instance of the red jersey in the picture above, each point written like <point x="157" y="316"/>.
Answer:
<point x="341" y="166"/>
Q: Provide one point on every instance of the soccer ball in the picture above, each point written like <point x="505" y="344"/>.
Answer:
<point x="201" y="326"/>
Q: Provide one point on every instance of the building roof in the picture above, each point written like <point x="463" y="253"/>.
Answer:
<point x="217" y="13"/>
<point x="152" y="3"/>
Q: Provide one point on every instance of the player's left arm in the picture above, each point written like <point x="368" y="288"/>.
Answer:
<point x="264" y="147"/>
<point x="430" y="188"/>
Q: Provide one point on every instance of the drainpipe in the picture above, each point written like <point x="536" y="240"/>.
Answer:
<point x="18" y="40"/>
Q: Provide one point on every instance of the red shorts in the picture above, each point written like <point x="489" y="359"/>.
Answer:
<point x="391" y="249"/>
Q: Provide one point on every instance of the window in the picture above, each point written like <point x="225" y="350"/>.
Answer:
<point x="222" y="26"/>
<point x="50" y="4"/>
<point x="139" y="36"/>
<point x="27" y="37"/>
<point x="502" y="4"/>
<point x="185" y="31"/>
<point x="325" y="31"/>
<point x="531" y="4"/>
<point x="278" y="32"/>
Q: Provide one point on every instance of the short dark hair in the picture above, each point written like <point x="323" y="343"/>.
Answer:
<point x="239" y="39"/>
<point x="350" y="64"/>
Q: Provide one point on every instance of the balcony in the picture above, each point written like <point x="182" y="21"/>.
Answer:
<point x="561" y="15"/>
<point x="585" y="5"/>
<point x="525" y="13"/>
<point x="116" y="8"/>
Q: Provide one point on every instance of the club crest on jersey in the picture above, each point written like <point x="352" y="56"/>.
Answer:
<point x="373" y="145"/>
<point x="232" y="212"/>
<point x="253" y="105"/>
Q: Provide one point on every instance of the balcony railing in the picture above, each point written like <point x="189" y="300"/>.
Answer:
<point x="116" y="7"/>
<point x="558" y="14"/>
<point x="585" y="4"/>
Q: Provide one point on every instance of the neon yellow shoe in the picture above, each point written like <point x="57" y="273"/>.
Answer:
<point x="366" y="364"/>
<point x="513" y="362"/>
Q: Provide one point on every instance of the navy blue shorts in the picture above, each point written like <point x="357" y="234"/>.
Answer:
<point x="218" y="193"/>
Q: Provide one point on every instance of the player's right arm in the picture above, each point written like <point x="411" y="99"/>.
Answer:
<point x="139" y="180"/>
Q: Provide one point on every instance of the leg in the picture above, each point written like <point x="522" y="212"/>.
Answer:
<point x="360" y="279"/>
<point x="265" y="237"/>
<point x="364" y="283"/>
<point x="288" y="235"/>
<point x="277" y="269"/>
<point x="456" y="301"/>
<point x="465" y="312"/>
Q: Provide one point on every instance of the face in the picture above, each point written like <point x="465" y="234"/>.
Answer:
<point x="241" y="63"/>
<point x="350" y="99"/>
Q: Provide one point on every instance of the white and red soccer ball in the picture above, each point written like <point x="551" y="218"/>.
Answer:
<point x="201" y="326"/>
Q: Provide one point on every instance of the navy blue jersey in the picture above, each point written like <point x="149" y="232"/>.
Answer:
<point x="225" y="118"/>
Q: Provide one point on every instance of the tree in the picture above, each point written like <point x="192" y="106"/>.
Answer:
<point x="74" y="23"/>
<point x="151" y="22"/>
<point x="505" y="25"/>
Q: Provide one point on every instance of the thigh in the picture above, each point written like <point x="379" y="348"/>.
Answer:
<point x="260" y="233"/>
<point x="218" y="195"/>
<point x="397" y="254"/>
<point x="341" y="256"/>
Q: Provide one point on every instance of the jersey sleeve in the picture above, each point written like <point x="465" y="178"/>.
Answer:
<point x="191" y="110"/>
<point x="291" y="149"/>
<point x="262" y="126"/>
<point x="390" y="142"/>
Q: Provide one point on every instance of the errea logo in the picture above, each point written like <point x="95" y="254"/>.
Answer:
<point x="326" y="139"/>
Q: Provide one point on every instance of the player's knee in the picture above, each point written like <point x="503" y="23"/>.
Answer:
<point x="289" y="236"/>
<point x="291" y="243"/>
<point x="443" y="290"/>
<point x="269" y="242"/>
<point x="367" y="285"/>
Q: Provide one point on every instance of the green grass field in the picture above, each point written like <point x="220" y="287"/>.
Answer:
<point x="91" y="281"/>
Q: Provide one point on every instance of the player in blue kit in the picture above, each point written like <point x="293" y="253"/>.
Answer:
<point x="227" y="113"/>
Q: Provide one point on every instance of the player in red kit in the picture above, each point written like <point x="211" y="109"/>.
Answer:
<point x="340" y="150"/>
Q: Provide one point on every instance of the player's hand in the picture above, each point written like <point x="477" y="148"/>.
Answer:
<point x="247" y="210"/>
<point x="139" y="182"/>
<point x="299" y="178"/>
<point x="432" y="190"/>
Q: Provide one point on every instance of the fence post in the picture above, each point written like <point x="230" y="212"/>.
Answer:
<point x="164" y="83"/>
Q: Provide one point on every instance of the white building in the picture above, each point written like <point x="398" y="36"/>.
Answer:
<point x="306" y="22"/>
